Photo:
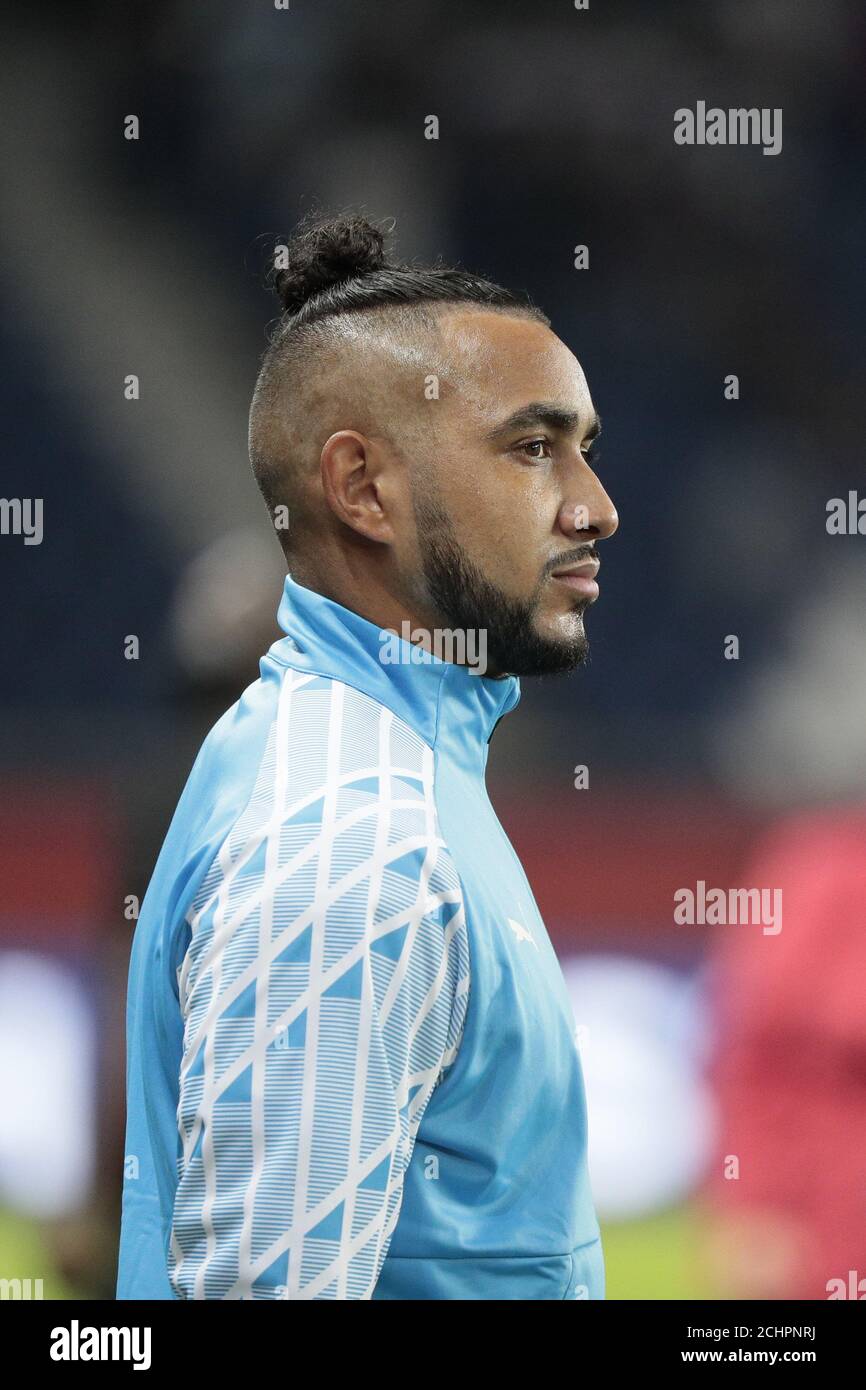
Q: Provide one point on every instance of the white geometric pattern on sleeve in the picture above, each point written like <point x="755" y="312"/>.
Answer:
<point x="324" y="993"/>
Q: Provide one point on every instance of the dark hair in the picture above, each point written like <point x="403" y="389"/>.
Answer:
<point x="335" y="265"/>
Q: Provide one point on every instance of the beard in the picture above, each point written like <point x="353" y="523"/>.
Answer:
<point x="470" y="602"/>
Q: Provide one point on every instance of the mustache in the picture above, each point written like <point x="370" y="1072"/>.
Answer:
<point x="573" y="557"/>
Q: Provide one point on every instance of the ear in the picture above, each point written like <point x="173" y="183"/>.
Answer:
<point x="354" y="479"/>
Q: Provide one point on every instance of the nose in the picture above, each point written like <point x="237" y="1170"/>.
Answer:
<point x="589" y="512"/>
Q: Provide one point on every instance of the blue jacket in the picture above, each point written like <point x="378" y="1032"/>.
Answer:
<point x="351" y="1060"/>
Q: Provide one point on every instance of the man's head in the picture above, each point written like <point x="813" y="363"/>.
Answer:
<point x="428" y="435"/>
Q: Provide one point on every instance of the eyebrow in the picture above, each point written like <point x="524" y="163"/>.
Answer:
<point x="555" y="417"/>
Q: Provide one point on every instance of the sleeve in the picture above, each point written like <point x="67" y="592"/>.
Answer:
<point x="324" y="993"/>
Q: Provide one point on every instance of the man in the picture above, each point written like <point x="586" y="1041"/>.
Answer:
<point x="352" y="1069"/>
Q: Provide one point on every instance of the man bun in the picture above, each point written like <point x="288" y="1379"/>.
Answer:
<point x="325" y="254"/>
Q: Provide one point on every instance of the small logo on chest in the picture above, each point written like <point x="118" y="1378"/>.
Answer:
<point x="521" y="933"/>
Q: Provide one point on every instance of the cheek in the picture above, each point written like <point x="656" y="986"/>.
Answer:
<point x="522" y="518"/>
<point x="502" y="519"/>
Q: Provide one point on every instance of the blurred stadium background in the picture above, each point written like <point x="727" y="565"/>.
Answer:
<point x="144" y="257"/>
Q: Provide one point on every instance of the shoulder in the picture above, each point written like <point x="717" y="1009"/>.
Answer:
<point x="338" y="855"/>
<point x="341" y="802"/>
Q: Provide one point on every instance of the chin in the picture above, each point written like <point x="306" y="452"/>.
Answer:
<point x="566" y="630"/>
<point x="541" y="655"/>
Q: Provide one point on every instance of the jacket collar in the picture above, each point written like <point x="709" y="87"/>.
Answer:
<point x="438" y="699"/>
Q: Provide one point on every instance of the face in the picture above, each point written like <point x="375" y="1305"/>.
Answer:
<point x="508" y="509"/>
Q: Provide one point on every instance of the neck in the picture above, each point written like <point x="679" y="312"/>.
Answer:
<point x="366" y="590"/>
<point x="441" y="700"/>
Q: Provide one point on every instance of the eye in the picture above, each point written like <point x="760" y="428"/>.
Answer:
<point x="591" y="453"/>
<point x="535" y="444"/>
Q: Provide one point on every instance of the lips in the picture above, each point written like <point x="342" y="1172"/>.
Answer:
<point x="580" y="577"/>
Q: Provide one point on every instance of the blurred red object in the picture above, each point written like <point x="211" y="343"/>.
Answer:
<point x="789" y="1068"/>
<point x="59" y="847"/>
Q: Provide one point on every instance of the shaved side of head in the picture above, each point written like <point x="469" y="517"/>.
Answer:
<point x="363" y="371"/>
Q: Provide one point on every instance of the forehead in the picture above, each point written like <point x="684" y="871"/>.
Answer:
<point x="499" y="362"/>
